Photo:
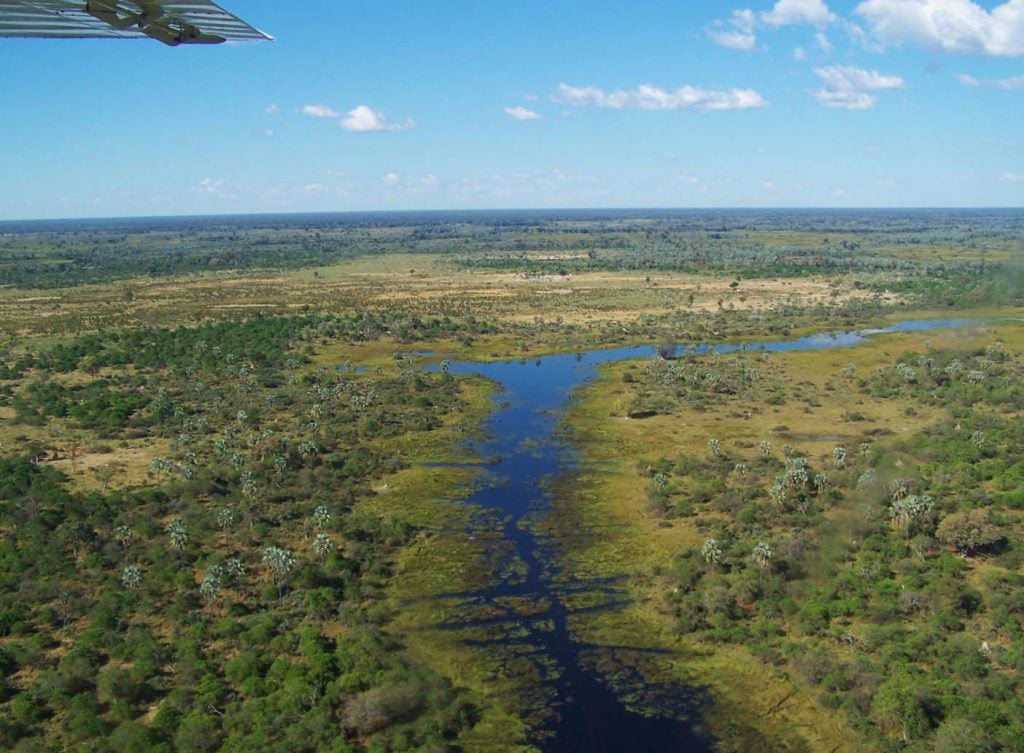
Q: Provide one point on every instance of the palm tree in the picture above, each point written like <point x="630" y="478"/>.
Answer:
<point x="711" y="552"/>
<point x="762" y="555"/>
<point x="123" y="536"/>
<point x="225" y="518"/>
<point x="234" y="570"/>
<point x="210" y="586"/>
<point x="131" y="577"/>
<point x="178" y="534"/>
<point x="715" y="447"/>
<point x="280" y="563"/>
<point x="898" y="489"/>
<point x="820" y="482"/>
<point x="321" y="517"/>
<point x="839" y="456"/>
<point x="908" y="510"/>
<point x="323" y="545"/>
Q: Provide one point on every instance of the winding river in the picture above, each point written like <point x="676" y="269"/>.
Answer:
<point x="526" y="454"/>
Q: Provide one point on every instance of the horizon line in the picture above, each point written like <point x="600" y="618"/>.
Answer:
<point x="510" y="210"/>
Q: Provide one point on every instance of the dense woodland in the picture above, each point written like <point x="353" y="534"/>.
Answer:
<point x="232" y="600"/>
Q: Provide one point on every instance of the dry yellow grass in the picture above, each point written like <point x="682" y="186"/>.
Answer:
<point x="422" y="283"/>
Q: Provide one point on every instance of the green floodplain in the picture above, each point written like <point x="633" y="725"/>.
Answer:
<point x="233" y="466"/>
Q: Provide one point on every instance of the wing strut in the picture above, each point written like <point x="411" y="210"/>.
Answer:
<point x="172" y="22"/>
<point x="150" y="21"/>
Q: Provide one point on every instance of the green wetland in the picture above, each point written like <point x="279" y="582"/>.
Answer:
<point x="455" y="482"/>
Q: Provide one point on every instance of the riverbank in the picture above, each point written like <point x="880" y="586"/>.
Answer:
<point x="605" y="526"/>
<point x="445" y="562"/>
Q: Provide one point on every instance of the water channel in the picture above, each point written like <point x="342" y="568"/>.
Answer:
<point x="525" y="454"/>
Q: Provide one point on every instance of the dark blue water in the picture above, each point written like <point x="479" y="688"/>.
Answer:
<point x="525" y="454"/>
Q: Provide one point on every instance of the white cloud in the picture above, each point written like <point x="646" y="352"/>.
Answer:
<point x="430" y="181"/>
<point x="796" y="12"/>
<point x="315" y="188"/>
<point x="823" y="43"/>
<point x="272" y="109"/>
<point x="959" y="26"/>
<point x="849" y="88"/>
<point x="647" y="97"/>
<point x="799" y="54"/>
<point x="319" y="111"/>
<point x="391" y="179"/>
<point x="362" y="118"/>
<point x="214" y="187"/>
<point x="885" y="183"/>
<point x="734" y="40"/>
<point x="744" y="20"/>
<point x="367" y="120"/>
<point x="737" y="33"/>
<point x="521" y="113"/>
<point x="1007" y="84"/>
<point x="1012" y="177"/>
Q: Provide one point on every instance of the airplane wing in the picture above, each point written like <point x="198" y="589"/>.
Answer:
<point x="168" y="21"/>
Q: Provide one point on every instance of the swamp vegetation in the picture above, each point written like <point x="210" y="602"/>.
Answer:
<point x="233" y="461"/>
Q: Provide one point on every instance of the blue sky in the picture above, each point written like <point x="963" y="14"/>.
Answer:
<point x="362" y="104"/>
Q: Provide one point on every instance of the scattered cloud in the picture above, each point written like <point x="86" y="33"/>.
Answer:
<point x="272" y="109"/>
<point x="521" y="113"/>
<point x="1012" y="177"/>
<point x="850" y="88"/>
<point x="959" y="26"/>
<point x="737" y="33"/>
<point x="734" y="40"/>
<point x="265" y="133"/>
<point x="315" y="188"/>
<point x="823" y="43"/>
<point x="367" y="120"/>
<point x="885" y="183"/>
<point x="319" y="111"/>
<point x="799" y="54"/>
<point x="391" y="179"/>
<point x="647" y="97"/>
<point x="214" y="187"/>
<point x="858" y="35"/>
<point x="1007" y="84"/>
<point x="362" y="118"/>
<point x="799" y="12"/>
<point x="430" y="181"/>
